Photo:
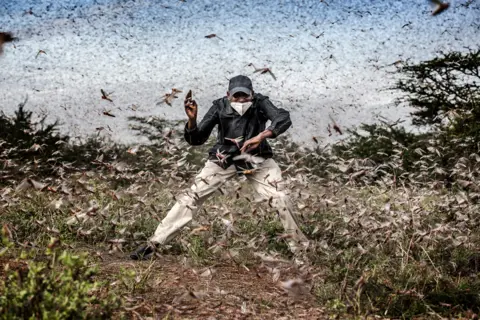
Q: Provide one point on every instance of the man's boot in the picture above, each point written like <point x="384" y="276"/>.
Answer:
<point x="142" y="252"/>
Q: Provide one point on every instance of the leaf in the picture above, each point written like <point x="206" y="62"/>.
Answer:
<point x="30" y="183"/>
<point x="56" y="204"/>
<point x="357" y="174"/>
<point x="244" y="307"/>
<point x="199" y="230"/>
<point x="24" y="185"/>
<point x="208" y="272"/>
<point x="275" y="275"/>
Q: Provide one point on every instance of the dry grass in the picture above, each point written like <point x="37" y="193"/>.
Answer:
<point x="376" y="249"/>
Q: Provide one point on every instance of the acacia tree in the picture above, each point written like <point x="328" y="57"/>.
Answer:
<point x="445" y="91"/>
<point x="445" y="95"/>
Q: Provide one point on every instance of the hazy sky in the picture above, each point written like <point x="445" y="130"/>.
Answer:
<point x="328" y="57"/>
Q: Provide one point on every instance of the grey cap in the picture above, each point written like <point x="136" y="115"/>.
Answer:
<point x="240" y="84"/>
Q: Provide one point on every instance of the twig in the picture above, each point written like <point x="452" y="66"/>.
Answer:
<point x="408" y="251"/>
<point x="428" y="256"/>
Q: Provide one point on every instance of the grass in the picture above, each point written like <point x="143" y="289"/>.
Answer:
<point x="377" y="249"/>
<point x="402" y="260"/>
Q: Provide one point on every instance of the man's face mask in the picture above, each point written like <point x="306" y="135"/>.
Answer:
<point x="241" y="107"/>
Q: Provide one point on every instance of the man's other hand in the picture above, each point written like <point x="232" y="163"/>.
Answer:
<point x="251" y="144"/>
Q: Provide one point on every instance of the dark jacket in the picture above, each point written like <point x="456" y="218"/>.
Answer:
<point x="232" y="125"/>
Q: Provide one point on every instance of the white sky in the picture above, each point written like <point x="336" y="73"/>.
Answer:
<point x="140" y="50"/>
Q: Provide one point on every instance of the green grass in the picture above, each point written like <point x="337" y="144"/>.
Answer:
<point x="405" y="270"/>
<point x="388" y="251"/>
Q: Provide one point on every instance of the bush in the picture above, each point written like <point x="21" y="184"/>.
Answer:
<point x="30" y="148"/>
<point x="62" y="288"/>
<point x="26" y="144"/>
<point x="381" y="142"/>
<point x="444" y="92"/>
<point x="35" y="148"/>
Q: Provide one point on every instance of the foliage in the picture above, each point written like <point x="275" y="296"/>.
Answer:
<point x="62" y="288"/>
<point x="446" y="87"/>
<point x="445" y="93"/>
<point x="381" y="142"/>
<point x="35" y="148"/>
<point x="386" y="236"/>
<point x="155" y="129"/>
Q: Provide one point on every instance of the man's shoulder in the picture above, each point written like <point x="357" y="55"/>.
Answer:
<point x="259" y="96"/>
<point x="220" y="102"/>
<point x="259" y="99"/>
<point x="216" y="101"/>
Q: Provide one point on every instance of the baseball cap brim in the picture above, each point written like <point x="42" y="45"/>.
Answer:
<point x="241" y="89"/>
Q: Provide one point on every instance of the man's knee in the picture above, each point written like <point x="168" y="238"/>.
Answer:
<point x="188" y="198"/>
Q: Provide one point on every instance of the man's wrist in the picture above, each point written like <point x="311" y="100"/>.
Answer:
<point x="192" y="123"/>
<point x="266" y="134"/>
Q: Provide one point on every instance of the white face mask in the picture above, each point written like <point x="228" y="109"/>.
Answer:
<point x="241" y="107"/>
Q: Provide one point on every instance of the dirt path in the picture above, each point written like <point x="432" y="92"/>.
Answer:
<point x="224" y="291"/>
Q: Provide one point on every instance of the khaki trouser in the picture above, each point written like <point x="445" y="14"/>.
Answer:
<point x="267" y="181"/>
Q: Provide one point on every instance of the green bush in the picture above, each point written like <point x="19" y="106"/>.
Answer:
<point x="444" y="92"/>
<point x="35" y="148"/>
<point x="381" y="142"/>
<point x="61" y="288"/>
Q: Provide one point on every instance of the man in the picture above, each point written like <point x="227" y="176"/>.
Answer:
<point x="241" y="148"/>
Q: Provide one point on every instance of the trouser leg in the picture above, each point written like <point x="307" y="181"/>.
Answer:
<point x="210" y="178"/>
<point x="268" y="182"/>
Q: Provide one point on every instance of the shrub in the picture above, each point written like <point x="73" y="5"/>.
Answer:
<point x="63" y="287"/>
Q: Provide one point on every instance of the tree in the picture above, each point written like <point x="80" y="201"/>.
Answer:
<point x="444" y="90"/>
<point x="445" y="93"/>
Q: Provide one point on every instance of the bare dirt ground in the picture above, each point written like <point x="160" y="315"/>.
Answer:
<point x="168" y="289"/>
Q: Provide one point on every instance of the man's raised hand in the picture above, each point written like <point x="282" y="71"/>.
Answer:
<point x="190" y="106"/>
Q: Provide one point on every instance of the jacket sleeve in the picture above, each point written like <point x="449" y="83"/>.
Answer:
<point x="199" y="135"/>
<point x="280" y="117"/>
